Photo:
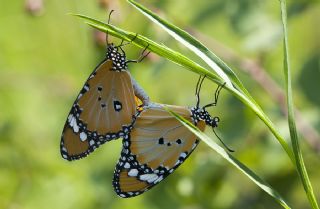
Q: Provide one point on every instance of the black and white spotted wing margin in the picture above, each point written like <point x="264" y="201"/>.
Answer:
<point x="132" y="179"/>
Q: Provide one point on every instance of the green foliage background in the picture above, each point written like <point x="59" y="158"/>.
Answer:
<point x="45" y="59"/>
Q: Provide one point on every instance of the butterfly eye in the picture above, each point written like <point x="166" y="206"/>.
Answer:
<point x="216" y="119"/>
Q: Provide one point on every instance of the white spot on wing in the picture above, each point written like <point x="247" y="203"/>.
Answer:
<point x="73" y="123"/>
<point x="133" y="172"/>
<point x="158" y="180"/>
<point x="83" y="136"/>
<point x="70" y="118"/>
<point x="150" y="178"/>
<point x="183" y="155"/>
<point x="127" y="165"/>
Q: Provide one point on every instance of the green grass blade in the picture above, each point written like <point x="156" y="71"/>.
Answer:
<point x="233" y="161"/>
<point x="291" y="120"/>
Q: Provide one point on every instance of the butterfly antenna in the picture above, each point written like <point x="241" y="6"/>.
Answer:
<point x="198" y="88"/>
<point x="197" y="93"/>
<point x="217" y="93"/>
<point x="229" y="149"/>
<point x="108" y="23"/>
<point x="142" y="56"/>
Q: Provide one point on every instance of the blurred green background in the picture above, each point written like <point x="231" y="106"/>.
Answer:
<point x="46" y="55"/>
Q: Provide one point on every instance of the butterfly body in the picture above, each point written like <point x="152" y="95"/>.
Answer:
<point x="157" y="145"/>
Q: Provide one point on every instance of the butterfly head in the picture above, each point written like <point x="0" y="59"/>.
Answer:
<point x="118" y="58"/>
<point x="201" y="114"/>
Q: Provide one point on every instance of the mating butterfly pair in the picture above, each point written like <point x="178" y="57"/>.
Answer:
<point x="111" y="105"/>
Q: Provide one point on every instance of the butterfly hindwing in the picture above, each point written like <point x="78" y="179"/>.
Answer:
<point x="156" y="146"/>
<point x="104" y="110"/>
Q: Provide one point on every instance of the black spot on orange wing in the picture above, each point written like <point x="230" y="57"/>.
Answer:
<point x="117" y="106"/>
<point x="161" y="141"/>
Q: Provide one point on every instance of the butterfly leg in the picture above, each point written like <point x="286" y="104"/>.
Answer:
<point x="216" y="96"/>
<point x="124" y="44"/>
<point x="142" y="56"/>
<point x="224" y="144"/>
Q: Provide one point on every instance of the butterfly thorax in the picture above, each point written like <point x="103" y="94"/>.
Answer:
<point x="118" y="59"/>
<point x="200" y="114"/>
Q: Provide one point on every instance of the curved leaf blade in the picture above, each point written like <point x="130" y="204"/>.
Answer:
<point x="291" y="119"/>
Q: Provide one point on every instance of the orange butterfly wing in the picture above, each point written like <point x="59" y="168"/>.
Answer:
<point x="104" y="110"/>
<point x="157" y="145"/>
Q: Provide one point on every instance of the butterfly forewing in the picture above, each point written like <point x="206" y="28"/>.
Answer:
<point x="103" y="111"/>
<point x="157" y="145"/>
<point x="109" y="102"/>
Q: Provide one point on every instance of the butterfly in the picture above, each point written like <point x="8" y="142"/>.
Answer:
<point x="106" y="106"/>
<point x="158" y="144"/>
